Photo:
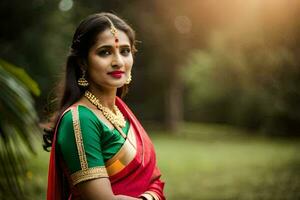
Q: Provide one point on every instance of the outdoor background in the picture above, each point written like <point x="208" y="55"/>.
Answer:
<point x="216" y="83"/>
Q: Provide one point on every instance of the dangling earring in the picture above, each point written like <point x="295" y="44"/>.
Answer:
<point x="82" y="81"/>
<point x="129" y="79"/>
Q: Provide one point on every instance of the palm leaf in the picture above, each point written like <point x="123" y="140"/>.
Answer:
<point x="22" y="76"/>
<point x="18" y="128"/>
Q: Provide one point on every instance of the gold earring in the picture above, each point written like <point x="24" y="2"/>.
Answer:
<point x="129" y="79"/>
<point x="82" y="81"/>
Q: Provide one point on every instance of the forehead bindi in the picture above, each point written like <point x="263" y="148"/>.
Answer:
<point x="107" y="38"/>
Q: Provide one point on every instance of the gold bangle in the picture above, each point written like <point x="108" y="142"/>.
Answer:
<point x="153" y="194"/>
<point x="147" y="196"/>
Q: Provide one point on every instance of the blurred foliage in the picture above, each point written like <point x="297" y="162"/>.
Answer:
<point x="254" y="89"/>
<point x="18" y="128"/>
<point x="22" y="76"/>
<point x="248" y="74"/>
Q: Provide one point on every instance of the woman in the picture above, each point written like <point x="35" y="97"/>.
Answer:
<point x="99" y="149"/>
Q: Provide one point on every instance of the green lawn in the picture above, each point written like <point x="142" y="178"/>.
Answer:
<point x="212" y="162"/>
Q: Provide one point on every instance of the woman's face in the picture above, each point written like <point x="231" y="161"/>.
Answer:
<point x="109" y="64"/>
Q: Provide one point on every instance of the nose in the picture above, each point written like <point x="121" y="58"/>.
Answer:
<point x="117" y="61"/>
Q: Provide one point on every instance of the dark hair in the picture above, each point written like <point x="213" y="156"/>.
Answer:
<point x="84" y="38"/>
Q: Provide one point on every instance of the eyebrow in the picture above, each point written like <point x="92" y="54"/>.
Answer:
<point x="111" y="46"/>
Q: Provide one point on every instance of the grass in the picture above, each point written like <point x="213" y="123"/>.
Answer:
<point x="212" y="162"/>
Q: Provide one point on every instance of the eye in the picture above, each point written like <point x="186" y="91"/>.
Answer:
<point x="125" y="51"/>
<point x="104" y="52"/>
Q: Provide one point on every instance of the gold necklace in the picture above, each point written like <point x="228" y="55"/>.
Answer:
<point x="116" y="119"/>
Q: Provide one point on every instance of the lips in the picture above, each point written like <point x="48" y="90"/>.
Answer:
<point x="116" y="74"/>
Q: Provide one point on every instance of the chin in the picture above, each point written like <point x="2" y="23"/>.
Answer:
<point x="118" y="84"/>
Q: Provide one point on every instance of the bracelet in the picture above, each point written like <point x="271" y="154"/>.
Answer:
<point x="147" y="196"/>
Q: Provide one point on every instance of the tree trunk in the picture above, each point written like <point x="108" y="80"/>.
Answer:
<point x="174" y="107"/>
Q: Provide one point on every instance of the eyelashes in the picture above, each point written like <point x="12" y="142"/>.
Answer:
<point x="104" y="52"/>
<point x="125" y="51"/>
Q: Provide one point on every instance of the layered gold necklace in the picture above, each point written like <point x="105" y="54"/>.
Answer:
<point x="116" y="117"/>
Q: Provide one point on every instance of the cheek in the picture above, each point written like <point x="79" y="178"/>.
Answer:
<point x="97" y="64"/>
<point x="97" y="69"/>
<point x="129" y="62"/>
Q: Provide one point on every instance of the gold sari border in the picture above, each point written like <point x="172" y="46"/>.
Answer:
<point x="78" y="138"/>
<point x="88" y="174"/>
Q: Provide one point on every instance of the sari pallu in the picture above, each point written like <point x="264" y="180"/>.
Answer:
<point x="140" y="175"/>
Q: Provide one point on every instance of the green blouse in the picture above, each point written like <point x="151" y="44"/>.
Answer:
<point x="100" y="143"/>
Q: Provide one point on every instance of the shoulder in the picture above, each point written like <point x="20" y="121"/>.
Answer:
<point x="76" y="113"/>
<point x="78" y="118"/>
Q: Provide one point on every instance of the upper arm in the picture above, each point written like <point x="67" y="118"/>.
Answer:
<point x="99" y="189"/>
<point x="79" y="142"/>
<point x="96" y="189"/>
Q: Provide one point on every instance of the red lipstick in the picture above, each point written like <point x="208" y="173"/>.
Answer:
<point x="116" y="74"/>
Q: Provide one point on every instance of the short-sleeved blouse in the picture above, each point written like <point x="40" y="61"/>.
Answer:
<point x="86" y="143"/>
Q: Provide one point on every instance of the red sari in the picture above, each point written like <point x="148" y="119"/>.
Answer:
<point x="139" y="176"/>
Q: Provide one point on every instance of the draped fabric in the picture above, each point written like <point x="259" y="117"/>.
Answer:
<point x="139" y="176"/>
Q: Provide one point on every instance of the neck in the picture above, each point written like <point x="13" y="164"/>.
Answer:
<point x="106" y="97"/>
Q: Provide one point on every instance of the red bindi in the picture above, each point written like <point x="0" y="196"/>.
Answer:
<point x="117" y="41"/>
